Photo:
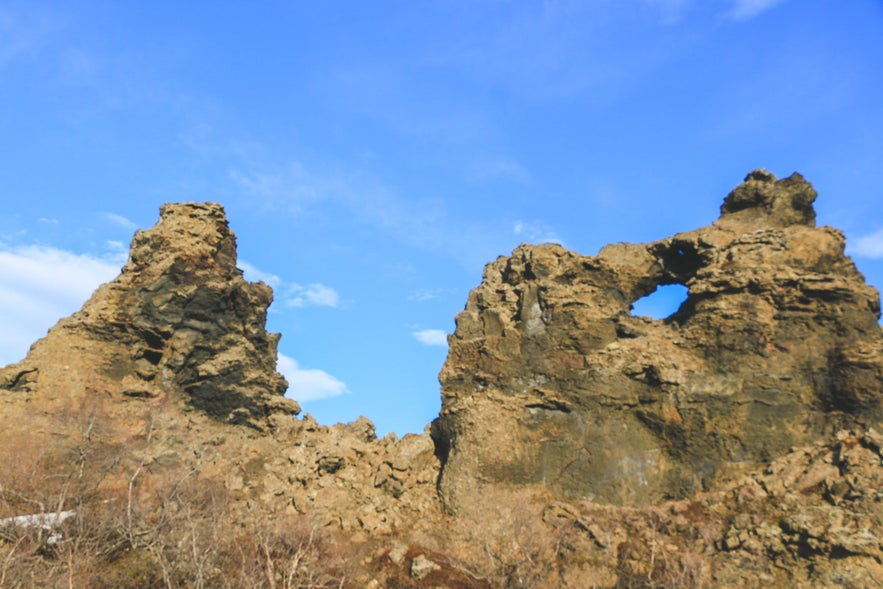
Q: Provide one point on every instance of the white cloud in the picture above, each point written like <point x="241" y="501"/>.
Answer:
<point x="254" y="274"/>
<point x="314" y="295"/>
<point x="535" y="232"/>
<point x="748" y="9"/>
<point x="308" y="384"/>
<point x="38" y="286"/>
<point x="291" y="187"/>
<point x="120" y="221"/>
<point x="869" y="246"/>
<point x="295" y="295"/>
<point x="431" y="337"/>
<point x="424" y="295"/>
<point x="117" y="251"/>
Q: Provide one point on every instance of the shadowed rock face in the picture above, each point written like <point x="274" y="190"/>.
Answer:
<point x="179" y="322"/>
<point x="551" y="381"/>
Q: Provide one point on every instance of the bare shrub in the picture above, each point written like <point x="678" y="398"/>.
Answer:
<point x="649" y="559"/>
<point x="46" y="479"/>
<point x="511" y="545"/>
<point x="141" y="524"/>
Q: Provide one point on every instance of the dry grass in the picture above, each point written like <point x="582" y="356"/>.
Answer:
<point x="140" y="524"/>
<point x="145" y="522"/>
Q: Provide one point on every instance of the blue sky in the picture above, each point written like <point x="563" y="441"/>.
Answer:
<point x="373" y="156"/>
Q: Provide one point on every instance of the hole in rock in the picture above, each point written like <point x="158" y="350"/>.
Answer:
<point x="680" y="260"/>
<point x="662" y="302"/>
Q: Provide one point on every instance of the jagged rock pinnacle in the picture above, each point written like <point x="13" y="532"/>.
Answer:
<point x="179" y="321"/>
<point x="764" y="201"/>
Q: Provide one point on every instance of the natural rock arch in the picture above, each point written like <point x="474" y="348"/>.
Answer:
<point x="550" y="382"/>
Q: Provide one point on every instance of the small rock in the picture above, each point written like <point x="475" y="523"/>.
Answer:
<point x="397" y="553"/>
<point x="422" y="566"/>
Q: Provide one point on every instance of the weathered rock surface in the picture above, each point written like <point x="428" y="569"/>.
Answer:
<point x="173" y="360"/>
<point x="551" y="381"/>
<point x="179" y="321"/>
<point x="735" y="443"/>
<point x="812" y="518"/>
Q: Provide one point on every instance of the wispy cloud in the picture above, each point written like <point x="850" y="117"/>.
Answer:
<point x="117" y="252"/>
<point x="292" y="294"/>
<point x="558" y="50"/>
<point x="120" y="221"/>
<point x="23" y="32"/>
<point x="291" y="187"/>
<point x="425" y="223"/>
<point x="313" y="295"/>
<point x="385" y="92"/>
<point x="308" y="384"/>
<point x="39" y="285"/>
<point x="431" y="337"/>
<point x="424" y="295"/>
<point x="869" y="246"/>
<point x="535" y="232"/>
<point x="672" y="11"/>
<point x="747" y="9"/>
<point x="253" y="274"/>
<point x="78" y="64"/>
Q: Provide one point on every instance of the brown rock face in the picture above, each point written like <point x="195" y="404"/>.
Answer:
<point x="179" y="322"/>
<point x="551" y="381"/>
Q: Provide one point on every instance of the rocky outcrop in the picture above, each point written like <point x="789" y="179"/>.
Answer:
<point x="171" y="365"/>
<point x="811" y="518"/>
<point x="347" y="478"/>
<point x="734" y="443"/>
<point x="179" y="322"/>
<point x="552" y="382"/>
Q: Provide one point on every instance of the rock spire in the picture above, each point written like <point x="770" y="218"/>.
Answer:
<point x="179" y="322"/>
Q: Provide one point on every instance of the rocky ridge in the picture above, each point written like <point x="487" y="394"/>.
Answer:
<point x="733" y="443"/>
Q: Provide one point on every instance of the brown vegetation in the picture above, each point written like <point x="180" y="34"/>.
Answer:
<point x="145" y="525"/>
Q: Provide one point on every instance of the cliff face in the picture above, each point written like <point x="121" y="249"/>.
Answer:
<point x="179" y="322"/>
<point x="552" y="382"/>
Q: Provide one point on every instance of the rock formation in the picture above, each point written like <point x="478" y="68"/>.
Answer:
<point x="734" y="443"/>
<point x="178" y="321"/>
<point x="551" y="381"/>
<point x="173" y="360"/>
